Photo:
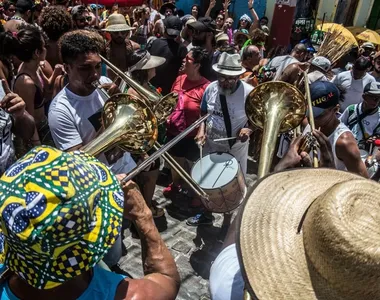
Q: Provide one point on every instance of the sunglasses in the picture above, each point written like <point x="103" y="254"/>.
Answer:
<point x="220" y="19"/>
<point x="88" y="19"/>
<point x="12" y="10"/>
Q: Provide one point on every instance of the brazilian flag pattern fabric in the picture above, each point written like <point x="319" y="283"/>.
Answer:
<point x="60" y="213"/>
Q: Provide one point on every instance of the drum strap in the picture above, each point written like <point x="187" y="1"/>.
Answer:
<point x="226" y="116"/>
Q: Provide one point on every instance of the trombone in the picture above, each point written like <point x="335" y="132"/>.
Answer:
<point x="162" y="108"/>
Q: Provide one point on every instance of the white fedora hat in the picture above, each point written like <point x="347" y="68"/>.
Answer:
<point x="229" y="65"/>
<point x="311" y="234"/>
<point x="117" y="22"/>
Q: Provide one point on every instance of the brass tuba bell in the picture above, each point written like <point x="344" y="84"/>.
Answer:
<point x="275" y="107"/>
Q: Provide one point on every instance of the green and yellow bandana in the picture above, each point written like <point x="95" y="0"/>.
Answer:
<point x="60" y="213"/>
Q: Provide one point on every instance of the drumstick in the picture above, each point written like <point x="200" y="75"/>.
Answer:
<point x="225" y="139"/>
<point x="200" y="160"/>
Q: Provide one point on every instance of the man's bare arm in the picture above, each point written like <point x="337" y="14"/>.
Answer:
<point x="161" y="279"/>
<point x="347" y="150"/>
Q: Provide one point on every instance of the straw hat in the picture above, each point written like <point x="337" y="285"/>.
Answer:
<point x="148" y="62"/>
<point x="311" y="234"/>
<point x="229" y="65"/>
<point x="117" y="22"/>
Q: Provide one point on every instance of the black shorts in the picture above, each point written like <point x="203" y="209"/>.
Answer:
<point x="185" y="148"/>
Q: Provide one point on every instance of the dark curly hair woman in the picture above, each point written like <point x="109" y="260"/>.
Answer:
<point x="55" y="21"/>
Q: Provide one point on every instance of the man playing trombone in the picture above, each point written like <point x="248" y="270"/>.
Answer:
<point x="74" y="115"/>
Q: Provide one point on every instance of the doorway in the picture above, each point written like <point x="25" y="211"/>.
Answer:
<point x="374" y="19"/>
<point x="345" y="12"/>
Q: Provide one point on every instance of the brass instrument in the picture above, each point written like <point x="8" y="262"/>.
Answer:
<point x="276" y="107"/>
<point x="161" y="106"/>
<point x="127" y="143"/>
<point x="129" y="124"/>
<point x="311" y="119"/>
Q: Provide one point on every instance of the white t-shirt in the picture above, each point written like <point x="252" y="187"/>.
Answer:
<point x="370" y="122"/>
<point x="75" y="120"/>
<point x="215" y="127"/>
<point x="354" y="88"/>
<point x="226" y="281"/>
<point x="7" y="152"/>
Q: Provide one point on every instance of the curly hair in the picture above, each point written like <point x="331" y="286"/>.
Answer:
<point x="55" y="21"/>
<point x="258" y="36"/>
<point x="77" y="42"/>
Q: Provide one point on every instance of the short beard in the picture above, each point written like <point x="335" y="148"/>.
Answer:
<point x="225" y="92"/>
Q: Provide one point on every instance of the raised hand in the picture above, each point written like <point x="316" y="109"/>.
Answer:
<point x="226" y="4"/>
<point x="12" y="103"/>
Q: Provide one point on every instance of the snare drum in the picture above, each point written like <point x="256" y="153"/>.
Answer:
<point x="222" y="180"/>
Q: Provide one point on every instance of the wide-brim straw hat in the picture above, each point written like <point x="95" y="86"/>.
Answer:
<point x="148" y="62"/>
<point x="116" y="23"/>
<point x="311" y="234"/>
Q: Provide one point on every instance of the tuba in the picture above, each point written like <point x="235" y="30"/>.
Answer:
<point x="275" y="107"/>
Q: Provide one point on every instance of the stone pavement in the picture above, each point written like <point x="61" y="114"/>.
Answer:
<point x="194" y="248"/>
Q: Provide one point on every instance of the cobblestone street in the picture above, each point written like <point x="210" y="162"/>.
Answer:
<point x="194" y="248"/>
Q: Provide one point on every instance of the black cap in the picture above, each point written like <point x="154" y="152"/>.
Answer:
<point x="25" y="5"/>
<point x="324" y="95"/>
<point x="204" y="24"/>
<point x="173" y="25"/>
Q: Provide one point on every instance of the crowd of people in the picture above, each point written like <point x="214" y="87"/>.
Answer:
<point x="62" y="211"/>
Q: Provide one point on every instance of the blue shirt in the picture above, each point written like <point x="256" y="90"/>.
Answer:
<point x="103" y="286"/>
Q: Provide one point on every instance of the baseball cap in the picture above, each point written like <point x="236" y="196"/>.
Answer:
<point x="173" y="25"/>
<point x="204" y="24"/>
<point x="25" y="5"/>
<point x="372" y="88"/>
<point x="368" y="45"/>
<point x="321" y="63"/>
<point x="324" y="95"/>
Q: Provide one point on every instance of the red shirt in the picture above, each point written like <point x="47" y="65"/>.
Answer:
<point x="191" y="93"/>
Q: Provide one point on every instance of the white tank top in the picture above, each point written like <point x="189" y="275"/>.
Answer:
<point x="333" y="138"/>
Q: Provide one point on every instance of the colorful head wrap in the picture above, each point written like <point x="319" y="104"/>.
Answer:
<point x="60" y="213"/>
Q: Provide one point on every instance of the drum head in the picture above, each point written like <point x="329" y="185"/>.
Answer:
<point x="218" y="169"/>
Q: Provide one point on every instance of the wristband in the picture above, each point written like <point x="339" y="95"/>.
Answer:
<point x="250" y="8"/>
